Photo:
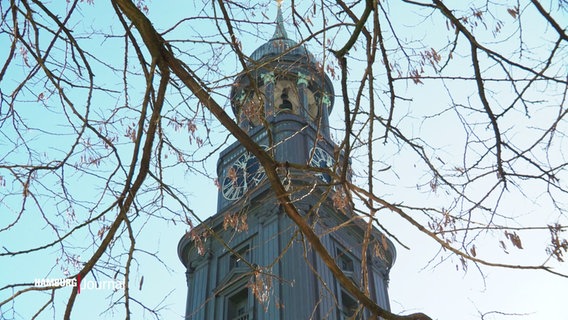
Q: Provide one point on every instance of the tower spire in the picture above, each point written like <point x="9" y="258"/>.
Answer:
<point x="280" y="32"/>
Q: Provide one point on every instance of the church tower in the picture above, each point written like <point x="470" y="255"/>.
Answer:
<point x="249" y="261"/>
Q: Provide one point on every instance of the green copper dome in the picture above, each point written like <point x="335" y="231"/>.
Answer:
<point x="282" y="47"/>
<point x="283" y="77"/>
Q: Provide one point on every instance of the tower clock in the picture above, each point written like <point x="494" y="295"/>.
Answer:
<point x="283" y="101"/>
<point x="243" y="174"/>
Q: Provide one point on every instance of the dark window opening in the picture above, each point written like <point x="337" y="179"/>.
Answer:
<point x="238" y="308"/>
<point x="349" y="307"/>
<point x="286" y="105"/>
<point x="344" y="262"/>
<point x="238" y="260"/>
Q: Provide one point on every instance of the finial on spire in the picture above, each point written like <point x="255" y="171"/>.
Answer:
<point x="280" y="32"/>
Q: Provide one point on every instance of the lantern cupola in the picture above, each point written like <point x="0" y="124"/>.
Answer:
<point x="282" y="78"/>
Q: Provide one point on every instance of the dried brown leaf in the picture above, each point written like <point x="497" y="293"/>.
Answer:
<point x="514" y="12"/>
<point x="515" y="239"/>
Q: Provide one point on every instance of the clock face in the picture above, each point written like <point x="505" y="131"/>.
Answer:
<point x="322" y="159"/>
<point x="244" y="174"/>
